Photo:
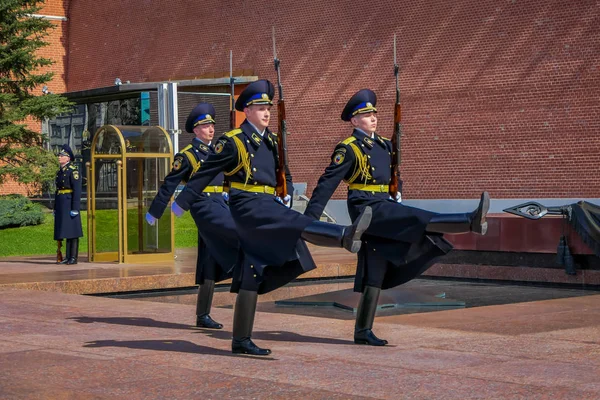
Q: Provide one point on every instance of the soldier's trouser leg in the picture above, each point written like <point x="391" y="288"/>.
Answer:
<point x="332" y="235"/>
<point x="74" y="251"/>
<point x="365" y="315"/>
<point x="67" y="251"/>
<point x="243" y="322"/>
<point x="205" y="297"/>
<point x="463" y="222"/>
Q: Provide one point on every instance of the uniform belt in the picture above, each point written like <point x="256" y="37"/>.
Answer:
<point x="64" y="191"/>
<point x="253" y="188"/>
<point x="370" y="188"/>
<point x="213" y="189"/>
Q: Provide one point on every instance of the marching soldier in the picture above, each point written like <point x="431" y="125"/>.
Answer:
<point x="67" y="200"/>
<point x="272" y="252"/>
<point x="401" y="242"/>
<point x="217" y="238"/>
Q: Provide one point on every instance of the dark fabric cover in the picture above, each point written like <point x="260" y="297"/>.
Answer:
<point x="585" y="219"/>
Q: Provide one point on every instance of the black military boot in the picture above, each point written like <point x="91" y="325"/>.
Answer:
<point x="365" y="316"/>
<point x="243" y="321"/>
<point x="74" y="251"/>
<point x="67" y="252"/>
<point x="463" y="222"/>
<point x="333" y="235"/>
<point x="205" y="297"/>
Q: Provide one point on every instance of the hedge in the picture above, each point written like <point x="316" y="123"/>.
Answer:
<point x="17" y="210"/>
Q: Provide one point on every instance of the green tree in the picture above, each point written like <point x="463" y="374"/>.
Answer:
<point x="22" y="154"/>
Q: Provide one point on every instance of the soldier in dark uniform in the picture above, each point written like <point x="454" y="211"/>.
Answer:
<point x="272" y="252"/>
<point x="67" y="221"/>
<point x="217" y="239"/>
<point x="401" y="242"/>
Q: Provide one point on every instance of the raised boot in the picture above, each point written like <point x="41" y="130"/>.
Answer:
<point x="243" y="322"/>
<point x="74" y="251"/>
<point x="67" y="252"/>
<point x="333" y="235"/>
<point x="365" y="316"/>
<point x="205" y="297"/>
<point x="462" y="222"/>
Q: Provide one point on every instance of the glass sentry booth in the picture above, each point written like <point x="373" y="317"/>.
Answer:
<point x="127" y="166"/>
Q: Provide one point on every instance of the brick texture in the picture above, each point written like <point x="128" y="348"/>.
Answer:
<point x="496" y="95"/>
<point x="56" y="50"/>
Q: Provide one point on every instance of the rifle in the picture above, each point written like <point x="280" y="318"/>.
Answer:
<point x="232" y="108"/>
<point x="396" y="153"/>
<point x="281" y="188"/>
<point x="59" y="256"/>
<point x="232" y="96"/>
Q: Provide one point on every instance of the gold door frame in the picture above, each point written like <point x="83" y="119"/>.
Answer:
<point x="122" y="256"/>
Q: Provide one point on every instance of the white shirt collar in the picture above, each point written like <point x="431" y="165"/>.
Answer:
<point x="258" y="130"/>
<point x="366" y="134"/>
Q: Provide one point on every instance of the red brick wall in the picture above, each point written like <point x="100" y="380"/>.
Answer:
<point x="58" y="42"/>
<point x="497" y="95"/>
<point x="56" y="50"/>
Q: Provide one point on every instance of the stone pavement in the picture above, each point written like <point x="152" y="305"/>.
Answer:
<point x="42" y="272"/>
<point x="64" y="346"/>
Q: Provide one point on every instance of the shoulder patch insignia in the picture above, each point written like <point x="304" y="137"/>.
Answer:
<point x="219" y="146"/>
<point x="338" y="157"/>
<point x="177" y="163"/>
<point x="76" y="175"/>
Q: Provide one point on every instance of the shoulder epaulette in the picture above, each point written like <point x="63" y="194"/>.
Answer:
<point x="191" y="158"/>
<point x="72" y="167"/>
<point x="233" y="132"/>
<point x="186" y="148"/>
<point x="349" y="140"/>
<point x="384" y="138"/>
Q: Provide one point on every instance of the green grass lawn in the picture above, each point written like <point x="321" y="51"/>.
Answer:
<point x="39" y="240"/>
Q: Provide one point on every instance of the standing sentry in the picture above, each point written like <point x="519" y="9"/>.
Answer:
<point x="67" y="204"/>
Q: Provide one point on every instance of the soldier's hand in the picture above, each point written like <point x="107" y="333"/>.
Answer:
<point x="286" y="200"/>
<point x="177" y="210"/>
<point x="225" y="196"/>
<point x="74" y="213"/>
<point x="150" y="219"/>
<point x="398" y="198"/>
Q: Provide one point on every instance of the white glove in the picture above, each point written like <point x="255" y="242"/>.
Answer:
<point x="398" y="198"/>
<point x="150" y="219"/>
<point x="286" y="200"/>
<point x="73" y="213"/>
<point x="225" y="196"/>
